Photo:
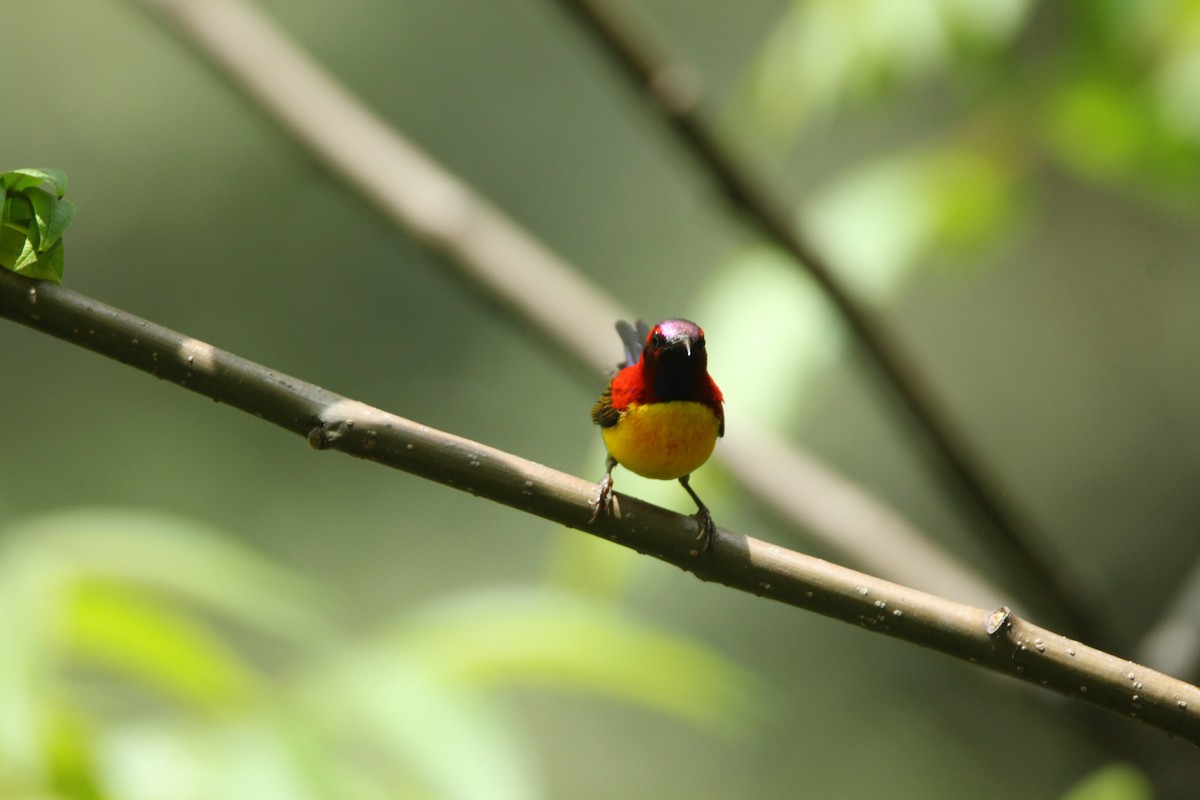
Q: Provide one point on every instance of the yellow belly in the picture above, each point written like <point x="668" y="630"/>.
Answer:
<point x="663" y="440"/>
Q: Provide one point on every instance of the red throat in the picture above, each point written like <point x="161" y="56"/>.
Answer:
<point x="635" y="384"/>
<point x="669" y="371"/>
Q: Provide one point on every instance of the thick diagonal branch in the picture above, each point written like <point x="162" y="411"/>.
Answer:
<point x="998" y="640"/>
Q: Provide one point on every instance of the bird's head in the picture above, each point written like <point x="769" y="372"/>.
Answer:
<point x="674" y="359"/>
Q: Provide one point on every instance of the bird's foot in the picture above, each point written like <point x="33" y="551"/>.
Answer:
<point x="604" y="498"/>
<point x="708" y="530"/>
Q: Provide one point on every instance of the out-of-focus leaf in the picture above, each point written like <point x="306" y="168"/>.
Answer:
<point x="1126" y="108"/>
<point x="823" y="52"/>
<point x="544" y="637"/>
<point x="141" y="636"/>
<point x="763" y="290"/>
<point x="185" y="559"/>
<point x="72" y="758"/>
<point x="427" y="690"/>
<point x="972" y="198"/>
<point x="874" y="222"/>
<point x="438" y="737"/>
<point x="914" y="205"/>
<point x="1170" y="39"/>
<point x="587" y="565"/>
<point x="256" y="758"/>
<point x="1177" y="89"/>
<point x="66" y="766"/>
<point x="155" y="760"/>
<point x="29" y="611"/>
<point x="1113" y="782"/>
<point x="44" y="746"/>
<point x="1100" y="127"/>
<point x="105" y="587"/>
<point x="878" y="224"/>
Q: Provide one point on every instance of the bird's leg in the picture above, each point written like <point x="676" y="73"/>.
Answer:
<point x="708" y="529"/>
<point x="605" y="497"/>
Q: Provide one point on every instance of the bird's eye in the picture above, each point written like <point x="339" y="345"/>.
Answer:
<point x="657" y="340"/>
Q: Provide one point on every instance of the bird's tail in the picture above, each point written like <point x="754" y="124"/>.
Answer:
<point x="634" y="338"/>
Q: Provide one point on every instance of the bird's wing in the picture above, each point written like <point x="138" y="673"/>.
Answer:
<point x="603" y="413"/>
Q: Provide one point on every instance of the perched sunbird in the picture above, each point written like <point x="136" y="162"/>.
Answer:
<point x="661" y="413"/>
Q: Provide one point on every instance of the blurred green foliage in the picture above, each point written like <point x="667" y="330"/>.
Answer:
<point x="1015" y="182"/>
<point x="1113" y="782"/>
<point x="135" y="665"/>
<point x="822" y="54"/>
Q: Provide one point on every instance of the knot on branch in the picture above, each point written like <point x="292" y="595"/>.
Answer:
<point x="318" y="437"/>
<point x="998" y="620"/>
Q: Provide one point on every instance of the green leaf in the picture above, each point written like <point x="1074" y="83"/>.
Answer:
<point x="44" y="204"/>
<point x="18" y="181"/>
<point x="1113" y="782"/>
<point x="28" y="256"/>
<point x="64" y="214"/>
<point x="18" y="214"/>
<point x="45" y="266"/>
<point x="21" y="179"/>
<point x="13" y="244"/>
<point x="32" y="222"/>
<point x="41" y="255"/>
<point x="21" y="235"/>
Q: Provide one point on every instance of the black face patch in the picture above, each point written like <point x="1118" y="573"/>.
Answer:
<point x="675" y="374"/>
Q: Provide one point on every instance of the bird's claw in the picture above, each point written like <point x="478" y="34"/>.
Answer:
<point x="708" y="530"/>
<point x="603" y="499"/>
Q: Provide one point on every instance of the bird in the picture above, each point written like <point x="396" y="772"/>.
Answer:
<point x="662" y="413"/>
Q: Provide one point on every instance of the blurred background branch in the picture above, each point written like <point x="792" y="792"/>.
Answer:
<point x="1173" y="644"/>
<point x="536" y="287"/>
